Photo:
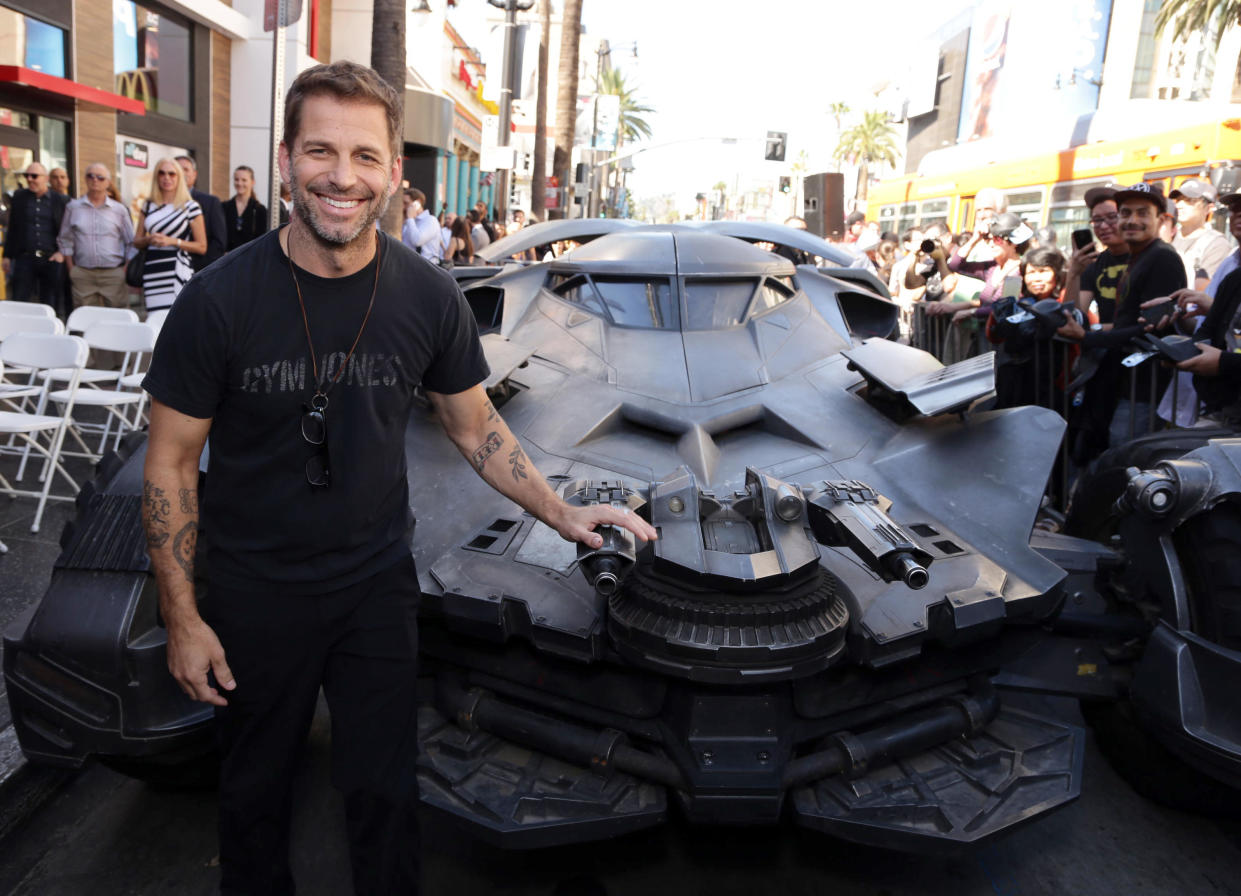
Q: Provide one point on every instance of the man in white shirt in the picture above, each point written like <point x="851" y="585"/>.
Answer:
<point x="1200" y="245"/>
<point x="421" y="232"/>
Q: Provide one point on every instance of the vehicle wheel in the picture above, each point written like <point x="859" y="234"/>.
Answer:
<point x="1210" y="550"/>
<point x="1101" y="483"/>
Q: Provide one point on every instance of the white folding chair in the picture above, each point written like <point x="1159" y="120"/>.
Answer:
<point x="12" y="386"/>
<point x="133" y="340"/>
<point x="41" y="352"/>
<point x="82" y="319"/>
<point x="26" y="309"/>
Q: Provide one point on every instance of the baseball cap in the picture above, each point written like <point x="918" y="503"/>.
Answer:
<point x="1095" y="195"/>
<point x="1150" y="192"/>
<point x="1009" y="226"/>
<point x="1230" y="199"/>
<point x="1194" y="189"/>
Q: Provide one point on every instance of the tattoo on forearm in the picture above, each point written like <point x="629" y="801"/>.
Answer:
<point x="492" y="413"/>
<point x="517" y="460"/>
<point x="155" y="517"/>
<point x="189" y="500"/>
<point x="485" y="450"/>
<point x="183" y="547"/>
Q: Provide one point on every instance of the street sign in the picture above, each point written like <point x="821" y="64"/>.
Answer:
<point x="293" y="12"/>
<point x="776" y="141"/>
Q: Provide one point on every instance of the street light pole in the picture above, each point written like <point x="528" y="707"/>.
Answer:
<point x="507" y="77"/>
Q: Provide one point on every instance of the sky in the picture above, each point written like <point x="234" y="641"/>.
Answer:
<point x="739" y="69"/>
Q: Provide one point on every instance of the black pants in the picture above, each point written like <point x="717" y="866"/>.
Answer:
<point x="360" y="644"/>
<point x="38" y="280"/>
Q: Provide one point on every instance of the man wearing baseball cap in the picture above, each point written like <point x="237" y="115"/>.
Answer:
<point x="1154" y="271"/>
<point x="1200" y="245"/>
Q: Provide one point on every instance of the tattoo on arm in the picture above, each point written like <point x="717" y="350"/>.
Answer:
<point x="492" y="413"/>
<point x="517" y="460"/>
<point x="155" y="517"/>
<point x="485" y="450"/>
<point x="189" y="500"/>
<point x="183" y="547"/>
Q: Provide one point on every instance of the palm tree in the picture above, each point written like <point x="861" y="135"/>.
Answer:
<point x="388" y="59"/>
<point x="538" y="177"/>
<point x="566" y="91"/>
<point x="838" y="111"/>
<point x="1189" y="17"/>
<point x="633" y="127"/>
<point x="870" y="140"/>
<point x="799" y="168"/>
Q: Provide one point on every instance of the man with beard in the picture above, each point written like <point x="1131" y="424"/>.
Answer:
<point x="299" y="354"/>
<point x="1154" y="270"/>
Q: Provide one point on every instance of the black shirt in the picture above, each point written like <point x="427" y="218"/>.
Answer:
<point x="1222" y="391"/>
<point x="1101" y="279"/>
<point x="250" y="224"/>
<point x="234" y="349"/>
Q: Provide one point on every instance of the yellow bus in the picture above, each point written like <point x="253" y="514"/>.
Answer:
<point x="1049" y="188"/>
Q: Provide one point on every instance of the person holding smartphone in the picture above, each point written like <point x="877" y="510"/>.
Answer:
<point x="1093" y="275"/>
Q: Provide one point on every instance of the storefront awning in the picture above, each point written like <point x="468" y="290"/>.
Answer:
<point x="428" y="118"/>
<point x="15" y="74"/>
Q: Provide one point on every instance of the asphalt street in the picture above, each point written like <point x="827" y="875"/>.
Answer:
<point x="99" y="833"/>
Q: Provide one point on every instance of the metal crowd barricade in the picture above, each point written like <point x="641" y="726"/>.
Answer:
<point x="1053" y="372"/>
<point x="948" y="342"/>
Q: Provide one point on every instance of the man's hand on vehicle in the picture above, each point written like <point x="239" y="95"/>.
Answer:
<point x="193" y="651"/>
<point x="576" y="523"/>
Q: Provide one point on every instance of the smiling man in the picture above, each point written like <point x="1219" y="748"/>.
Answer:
<point x="299" y="354"/>
<point x="1154" y="270"/>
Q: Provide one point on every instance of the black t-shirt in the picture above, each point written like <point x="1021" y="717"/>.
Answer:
<point x="1154" y="272"/>
<point x="234" y="349"/>
<point x="1101" y="279"/>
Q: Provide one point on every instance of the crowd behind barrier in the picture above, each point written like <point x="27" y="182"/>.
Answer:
<point x="1076" y="334"/>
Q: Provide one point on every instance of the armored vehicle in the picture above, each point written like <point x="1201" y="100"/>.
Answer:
<point x="848" y="581"/>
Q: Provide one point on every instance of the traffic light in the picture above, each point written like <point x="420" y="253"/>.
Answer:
<point x="775" y="146"/>
<point x="786" y="184"/>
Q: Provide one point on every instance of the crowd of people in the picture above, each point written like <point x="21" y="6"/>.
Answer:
<point x="1071" y="326"/>
<point x="451" y="239"/>
<point x="69" y="252"/>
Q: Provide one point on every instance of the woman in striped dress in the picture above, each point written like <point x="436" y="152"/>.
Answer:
<point x="171" y="228"/>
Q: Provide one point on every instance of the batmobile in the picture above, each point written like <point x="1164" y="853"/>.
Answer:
<point x="848" y="580"/>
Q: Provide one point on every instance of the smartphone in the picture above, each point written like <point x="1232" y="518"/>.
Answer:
<point x="1082" y="238"/>
<point x="1156" y="313"/>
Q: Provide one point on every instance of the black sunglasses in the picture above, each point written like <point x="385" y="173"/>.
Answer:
<point x="314" y="431"/>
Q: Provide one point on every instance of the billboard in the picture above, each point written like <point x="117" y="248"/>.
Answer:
<point x="1023" y="56"/>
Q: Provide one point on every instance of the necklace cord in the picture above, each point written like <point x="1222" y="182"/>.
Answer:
<point x="314" y="363"/>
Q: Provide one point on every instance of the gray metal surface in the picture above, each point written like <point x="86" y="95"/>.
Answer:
<point x="577" y="229"/>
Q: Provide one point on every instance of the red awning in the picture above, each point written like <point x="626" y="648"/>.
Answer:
<point x="15" y="74"/>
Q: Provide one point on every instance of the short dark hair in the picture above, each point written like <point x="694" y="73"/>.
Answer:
<point x="190" y="159"/>
<point x="473" y="215"/>
<point x="417" y="195"/>
<point x="1044" y="257"/>
<point x="347" y="81"/>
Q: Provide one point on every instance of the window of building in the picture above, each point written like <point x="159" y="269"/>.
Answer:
<point x="32" y="44"/>
<point x="1144" y="60"/>
<point x="152" y="58"/>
